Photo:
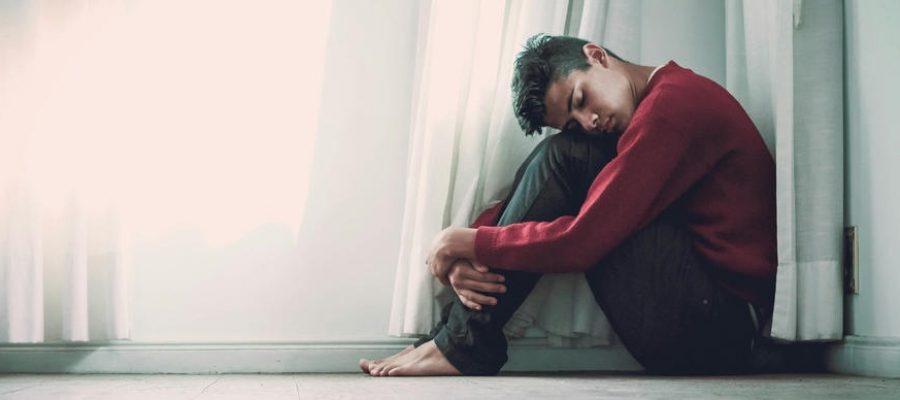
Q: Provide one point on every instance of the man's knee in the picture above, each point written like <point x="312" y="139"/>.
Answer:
<point x="557" y="154"/>
<point x="579" y="156"/>
<point x="559" y="147"/>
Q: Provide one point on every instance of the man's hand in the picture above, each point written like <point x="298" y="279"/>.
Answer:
<point x="450" y="245"/>
<point x="468" y="280"/>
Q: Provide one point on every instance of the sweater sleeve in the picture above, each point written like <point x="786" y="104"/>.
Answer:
<point x="656" y="164"/>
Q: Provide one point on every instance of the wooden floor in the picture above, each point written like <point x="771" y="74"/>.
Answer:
<point x="519" y="386"/>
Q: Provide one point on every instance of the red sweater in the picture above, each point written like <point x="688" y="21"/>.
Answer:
<point x="690" y="146"/>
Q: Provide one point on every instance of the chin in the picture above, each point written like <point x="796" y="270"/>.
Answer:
<point x="621" y="128"/>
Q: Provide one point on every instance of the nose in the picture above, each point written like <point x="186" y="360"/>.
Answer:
<point x="589" y="121"/>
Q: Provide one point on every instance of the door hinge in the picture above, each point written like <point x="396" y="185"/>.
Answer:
<point x="851" y="260"/>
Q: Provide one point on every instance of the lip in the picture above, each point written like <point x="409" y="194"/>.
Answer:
<point x="608" y="125"/>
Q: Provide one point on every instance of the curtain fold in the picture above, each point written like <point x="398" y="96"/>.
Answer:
<point x="63" y="272"/>
<point x="21" y="278"/>
<point x="63" y="262"/>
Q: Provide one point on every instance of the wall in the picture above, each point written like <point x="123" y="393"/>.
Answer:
<point x="872" y="149"/>
<point x="872" y="324"/>
<point x="691" y="32"/>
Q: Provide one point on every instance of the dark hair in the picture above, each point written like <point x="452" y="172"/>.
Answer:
<point x="544" y="59"/>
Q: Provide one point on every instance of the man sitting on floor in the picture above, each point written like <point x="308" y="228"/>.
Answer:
<point x="659" y="188"/>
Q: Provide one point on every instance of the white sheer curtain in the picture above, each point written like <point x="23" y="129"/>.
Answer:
<point x="809" y="297"/>
<point x="466" y="147"/>
<point x="785" y="66"/>
<point x="127" y="119"/>
<point x="780" y="57"/>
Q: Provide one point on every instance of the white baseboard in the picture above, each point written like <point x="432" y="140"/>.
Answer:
<point x="864" y="355"/>
<point x="320" y="356"/>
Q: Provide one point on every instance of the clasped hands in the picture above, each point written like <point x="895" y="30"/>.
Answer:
<point x="452" y="261"/>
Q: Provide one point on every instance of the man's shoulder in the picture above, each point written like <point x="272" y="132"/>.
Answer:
<point x="685" y="86"/>
<point x="681" y="94"/>
<point x="693" y="106"/>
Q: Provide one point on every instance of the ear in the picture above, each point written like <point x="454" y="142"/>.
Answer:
<point x="595" y="54"/>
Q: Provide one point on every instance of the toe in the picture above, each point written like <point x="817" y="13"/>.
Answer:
<point x="374" y="367"/>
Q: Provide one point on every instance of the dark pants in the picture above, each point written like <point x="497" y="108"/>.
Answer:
<point x="655" y="291"/>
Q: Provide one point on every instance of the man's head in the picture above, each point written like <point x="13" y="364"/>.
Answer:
<point x="569" y="83"/>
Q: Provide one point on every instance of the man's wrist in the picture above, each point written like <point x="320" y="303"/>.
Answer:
<point x="462" y="242"/>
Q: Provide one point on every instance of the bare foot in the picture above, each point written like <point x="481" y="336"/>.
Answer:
<point x="423" y="360"/>
<point x="365" y="364"/>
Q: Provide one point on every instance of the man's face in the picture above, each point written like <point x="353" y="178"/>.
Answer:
<point x="599" y="100"/>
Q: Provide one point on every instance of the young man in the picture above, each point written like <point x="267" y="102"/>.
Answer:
<point x="659" y="188"/>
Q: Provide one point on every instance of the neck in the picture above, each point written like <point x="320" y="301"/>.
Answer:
<point x="638" y="77"/>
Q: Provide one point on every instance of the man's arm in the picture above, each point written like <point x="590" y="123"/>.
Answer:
<point x="656" y="164"/>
